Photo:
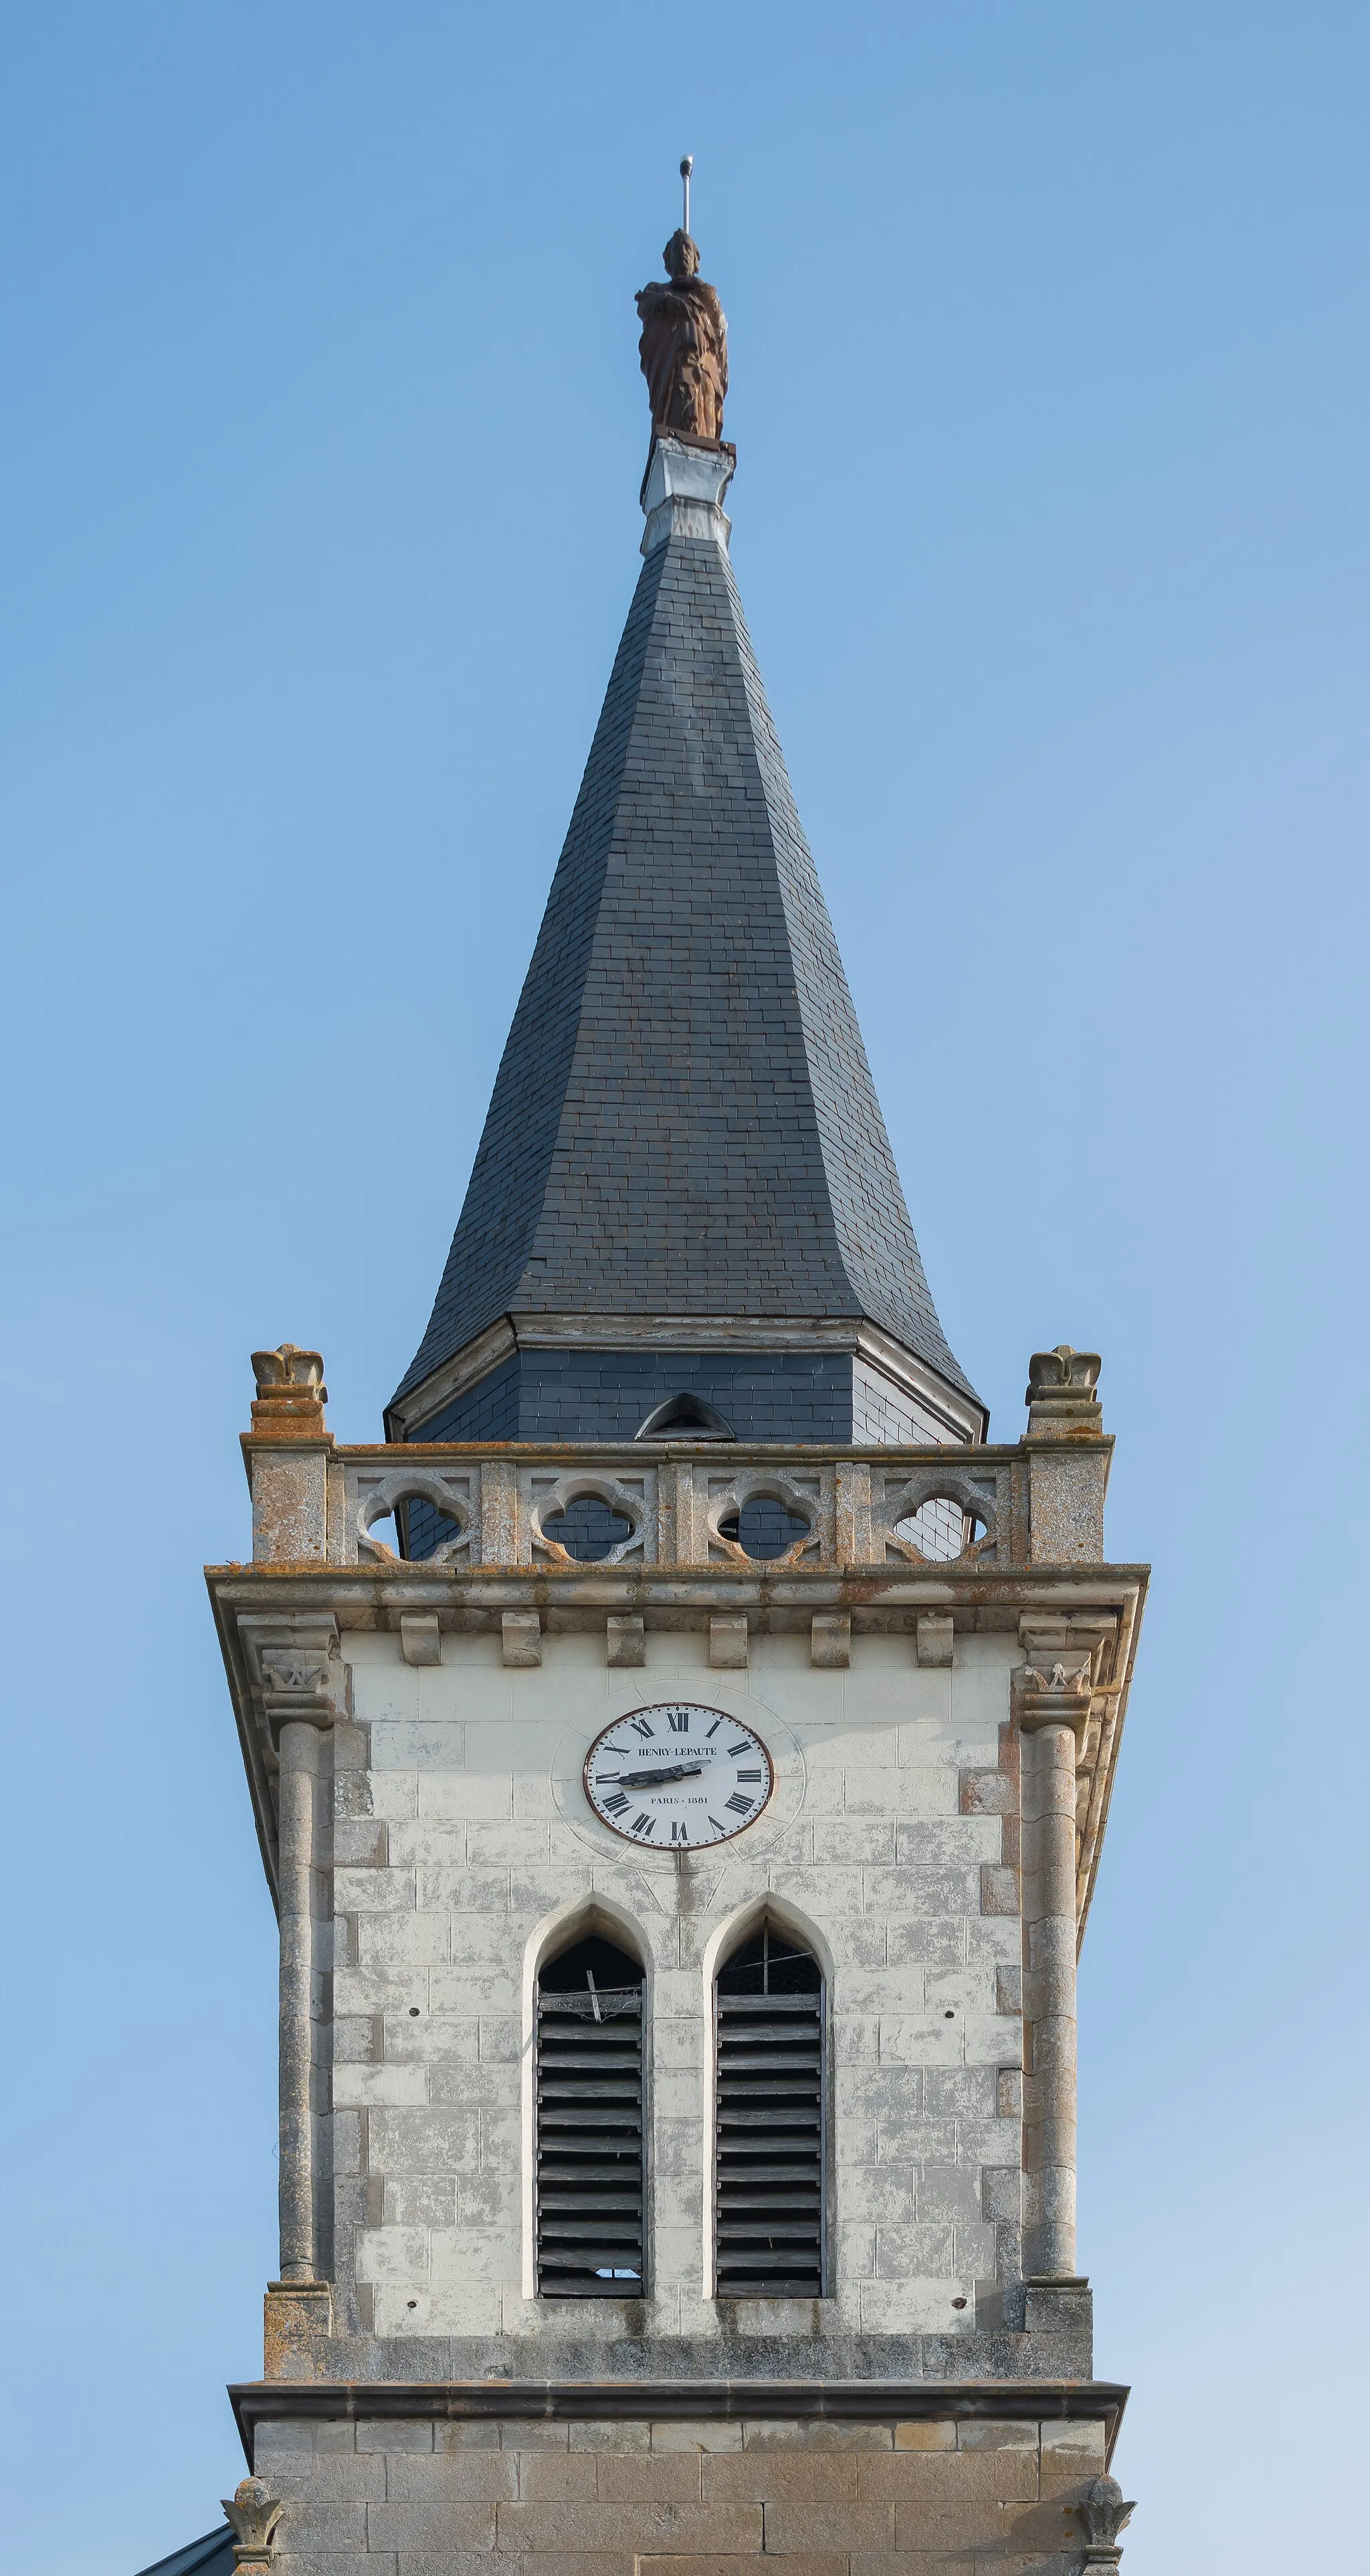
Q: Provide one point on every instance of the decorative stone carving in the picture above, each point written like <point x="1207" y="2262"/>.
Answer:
<point x="684" y="346"/>
<point x="296" y="1666"/>
<point x="1057" y="1697"/>
<point x="627" y="1501"/>
<point x="1062" y="1397"/>
<point x="728" y="1497"/>
<point x="253" y="2511"/>
<point x="1058" y="1679"/>
<point x="291" y="1394"/>
<point x="1102" y="2512"/>
<point x="286" y="1368"/>
<point x="973" y="1495"/>
<point x="376" y="1496"/>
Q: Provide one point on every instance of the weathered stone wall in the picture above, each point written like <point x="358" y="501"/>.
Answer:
<point x="464" y="1845"/>
<point x="415" y="2498"/>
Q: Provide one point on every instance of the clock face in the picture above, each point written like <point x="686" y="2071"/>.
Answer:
<point x="677" y="1777"/>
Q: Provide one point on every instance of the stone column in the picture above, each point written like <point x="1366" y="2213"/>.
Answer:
<point x="1053" y="1708"/>
<point x="299" y="1676"/>
<point x="296" y="1888"/>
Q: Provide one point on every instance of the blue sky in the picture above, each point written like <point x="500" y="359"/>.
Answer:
<point x="322" y="444"/>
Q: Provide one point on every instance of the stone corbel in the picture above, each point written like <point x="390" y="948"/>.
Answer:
<point x="728" y="1641"/>
<point x="420" y="1637"/>
<point x="253" y="2511"/>
<point x="936" y="1640"/>
<point x="625" y="1641"/>
<point x="521" y="1638"/>
<point x="830" y="1640"/>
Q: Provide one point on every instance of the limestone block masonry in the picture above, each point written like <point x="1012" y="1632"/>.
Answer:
<point x="942" y="1715"/>
<point x="568" y="2494"/>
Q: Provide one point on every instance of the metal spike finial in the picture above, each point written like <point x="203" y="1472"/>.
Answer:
<point x="686" y="168"/>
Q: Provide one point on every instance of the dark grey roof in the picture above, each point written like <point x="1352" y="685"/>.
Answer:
<point x="211" y="2556"/>
<point x="684" y="1121"/>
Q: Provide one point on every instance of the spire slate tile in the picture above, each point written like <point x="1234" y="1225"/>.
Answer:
<point x="684" y="1120"/>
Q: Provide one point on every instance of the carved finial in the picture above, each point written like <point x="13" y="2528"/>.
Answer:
<point x="254" y="2513"/>
<point x="1063" y="1372"/>
<point x="1062" y="1394"/>
<point x="291" y="1394"/>
<point x="1103" y="2512"/>
<point x="686" y="172"/>
<point x="289" y="1367"/>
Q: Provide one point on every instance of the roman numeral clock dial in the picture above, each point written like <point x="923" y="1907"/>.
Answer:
<point x="677" y="1777"/>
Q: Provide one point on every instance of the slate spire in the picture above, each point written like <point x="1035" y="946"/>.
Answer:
<point x="684" y="1189"/>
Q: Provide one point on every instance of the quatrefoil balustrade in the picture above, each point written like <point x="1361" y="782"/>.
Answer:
<point x="919" y="1518"/>
<point x="378" y="1496"/>
<point x="728" y="1503"/>
<point x="550" y="1502"/>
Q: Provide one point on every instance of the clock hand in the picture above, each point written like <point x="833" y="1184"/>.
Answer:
<point x="659" y="1779"/>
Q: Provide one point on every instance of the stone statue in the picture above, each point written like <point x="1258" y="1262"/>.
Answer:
<point x="684" y="346"/>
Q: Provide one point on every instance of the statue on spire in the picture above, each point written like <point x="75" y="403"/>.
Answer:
<point x="684" y="346"/>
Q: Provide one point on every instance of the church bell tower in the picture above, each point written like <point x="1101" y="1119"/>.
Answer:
<point x="680" y="1754"/>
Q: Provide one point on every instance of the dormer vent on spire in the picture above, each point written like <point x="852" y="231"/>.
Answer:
<point x="684" y="1189"/>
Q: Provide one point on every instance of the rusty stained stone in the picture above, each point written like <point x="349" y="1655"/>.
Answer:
<point x="297" y="2322"/>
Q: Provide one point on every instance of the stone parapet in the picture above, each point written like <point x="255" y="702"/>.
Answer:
<point x="870" y="1509"/>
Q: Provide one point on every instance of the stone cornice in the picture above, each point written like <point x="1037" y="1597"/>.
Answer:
<point x="865" y="2401"/>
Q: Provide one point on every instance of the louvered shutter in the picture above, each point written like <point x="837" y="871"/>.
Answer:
<point x="589" y="2179"/>
<point x="770" y="2127"/>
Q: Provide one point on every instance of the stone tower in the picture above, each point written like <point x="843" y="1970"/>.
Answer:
<point x="683" y="1821"/>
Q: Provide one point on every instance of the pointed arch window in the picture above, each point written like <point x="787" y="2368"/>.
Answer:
<point x="770" y="2121"/>
<point x="589" y="2170"/>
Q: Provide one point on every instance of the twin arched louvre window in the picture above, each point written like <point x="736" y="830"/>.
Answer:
<point x="590" y="2174"/>
<point x="769" y="2123"/>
